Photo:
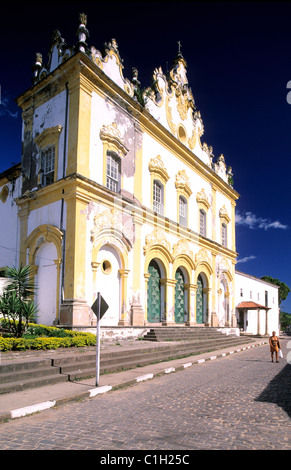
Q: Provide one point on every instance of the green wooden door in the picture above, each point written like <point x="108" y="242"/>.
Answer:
<point x="154" y="293"/>
<point x="179" y="297"/>
<point x="199" y="301"/>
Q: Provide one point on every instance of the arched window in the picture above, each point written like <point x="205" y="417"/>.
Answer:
<point x="158" y="197"/>
<point x="202" y="222"/>
<point x="182" y="211"/>
<point x="224" y="234"/>
<point x="113" y="172"/>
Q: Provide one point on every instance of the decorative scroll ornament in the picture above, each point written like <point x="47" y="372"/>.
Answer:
<point x="183" y="104"/>
<point x="157" y="167"/>
<point x="115" y="222"/>
<point x="182" y="183"/>
<point x="157" y="237"/>
<point x="202" y="198"/>
<point x="112" y="134"/>
<point x="202" y="257"/>
<point x="169" y="116"/>
<point x="182" y="248"/>
<point x="193" y="139"/>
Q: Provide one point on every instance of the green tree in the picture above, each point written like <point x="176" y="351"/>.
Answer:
<point x="283" y="288"/>
<point x="16" y="303"/>
<point x="285" y="320"/>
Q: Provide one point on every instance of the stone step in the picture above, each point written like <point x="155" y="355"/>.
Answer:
<point x="129" y="359"/>
<point x="20" y="375"/>
<point x="178" y="333"/>
<point x="24" y="375"/>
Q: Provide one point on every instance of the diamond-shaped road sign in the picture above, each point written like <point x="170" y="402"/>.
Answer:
<point x="103" y="306"/>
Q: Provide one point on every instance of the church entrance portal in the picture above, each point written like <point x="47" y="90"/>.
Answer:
<point x="179" y="297"/>
<point x="154" y="293"/>
<point x="199" y="300"/>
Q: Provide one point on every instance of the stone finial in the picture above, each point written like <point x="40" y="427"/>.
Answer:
<point x="82" y="33"/>
<point x="83" y="19"/>
<point x="37" y="66"/>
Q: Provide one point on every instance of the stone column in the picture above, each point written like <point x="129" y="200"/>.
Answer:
<point x="169" y="301"/>
<point x="191" y="288"/>
<point x="124" y="320"/>
<point x="206" y="293"/>
<point x="267" y="322"/>
<point x="226" y="297"/>
<point x="258" y="323"/>
<point x="146" y="276"/>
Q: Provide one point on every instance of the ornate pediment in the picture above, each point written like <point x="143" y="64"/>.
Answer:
<point x="223" y="214"/>
<point x="157" y="167"/>
<point x="182" y="183"/>
<point x="202" y="198"/>
<point x="112" y="134"/>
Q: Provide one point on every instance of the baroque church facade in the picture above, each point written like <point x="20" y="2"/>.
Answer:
<point x="116" y="193"/>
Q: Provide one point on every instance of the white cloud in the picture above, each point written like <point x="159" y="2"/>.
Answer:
<point x="5" y="108"/>
<point x="250" y="220"/>
<point x="246" y="259"/>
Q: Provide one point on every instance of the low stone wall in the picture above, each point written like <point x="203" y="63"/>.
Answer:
<point x="115" y="332"/>
<point x="229" y="331"/>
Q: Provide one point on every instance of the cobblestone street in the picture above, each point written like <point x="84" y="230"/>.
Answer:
<point x="240" y="402"/>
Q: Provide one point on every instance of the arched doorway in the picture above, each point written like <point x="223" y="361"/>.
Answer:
<point x="108" y="283"/>
<point x="46" y="283"/>
<point x="179" y="296"/>
<point x="154" y="293"/>
<point x="199" y="300"/>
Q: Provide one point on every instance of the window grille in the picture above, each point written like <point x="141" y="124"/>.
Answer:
<point x="224" y="235"/>
<point x="182" y="211"/>
<point x="158" y="197"/>
<point x="112" y="173"/>
<point x="48" y="165"/>
<point x="202" y="223"/>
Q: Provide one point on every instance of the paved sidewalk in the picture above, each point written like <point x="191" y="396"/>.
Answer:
<point x="25" y="402"/>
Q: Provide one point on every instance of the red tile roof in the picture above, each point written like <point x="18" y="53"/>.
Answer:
<point x="252" y="306"/>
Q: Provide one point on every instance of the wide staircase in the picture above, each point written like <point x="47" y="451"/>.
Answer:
<point x="157" y="345"/>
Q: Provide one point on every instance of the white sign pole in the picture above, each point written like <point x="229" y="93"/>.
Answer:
<point x="98" y="340"/>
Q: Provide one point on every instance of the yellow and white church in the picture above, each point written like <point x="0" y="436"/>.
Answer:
<point x="116" y="193"/>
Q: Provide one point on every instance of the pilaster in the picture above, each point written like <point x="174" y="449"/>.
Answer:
<point x="169" y="310"/>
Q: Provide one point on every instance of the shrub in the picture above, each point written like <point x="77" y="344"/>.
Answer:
<point x="47" y="337"/>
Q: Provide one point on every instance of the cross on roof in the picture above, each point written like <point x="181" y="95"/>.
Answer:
<point x="179" y="45"/>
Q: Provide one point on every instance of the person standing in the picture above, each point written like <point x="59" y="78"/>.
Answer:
<point x="274" y="345"/>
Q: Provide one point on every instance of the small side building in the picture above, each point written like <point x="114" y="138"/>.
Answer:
<point x="257" y="305"/>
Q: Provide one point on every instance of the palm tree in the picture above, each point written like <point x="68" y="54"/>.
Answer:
<point x="16" y="303"/>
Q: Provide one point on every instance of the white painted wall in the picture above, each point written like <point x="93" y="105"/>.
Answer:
<point x="9" y="233"/>
<point x="46" y="282"/>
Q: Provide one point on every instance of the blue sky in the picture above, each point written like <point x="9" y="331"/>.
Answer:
<point x="239" y="65"/>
